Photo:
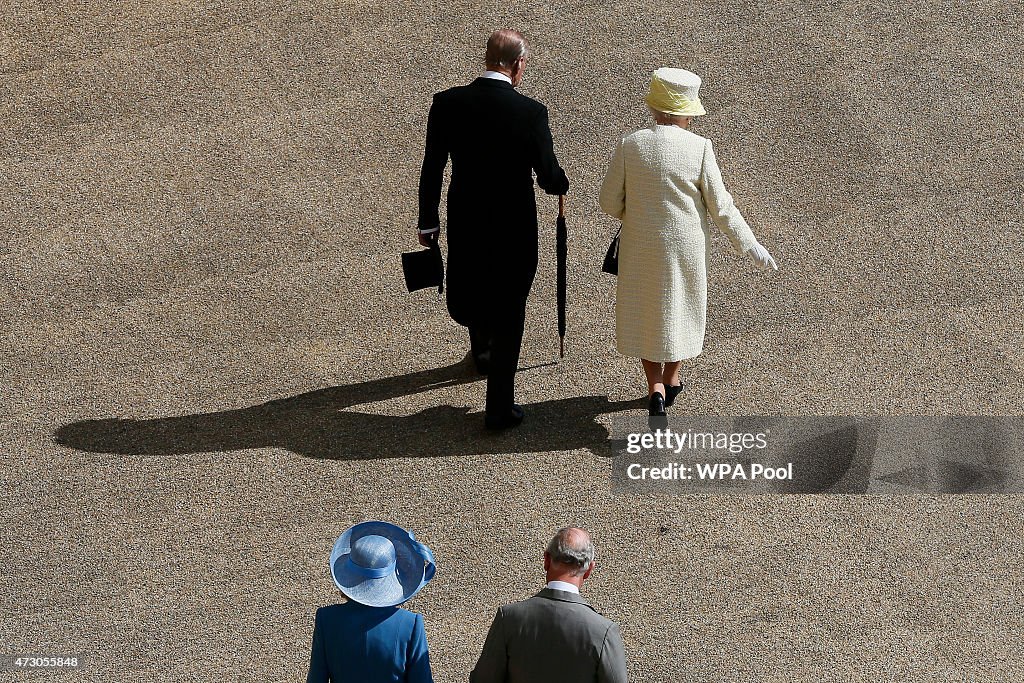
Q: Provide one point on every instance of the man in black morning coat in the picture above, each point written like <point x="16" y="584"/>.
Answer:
<point x="496" y="138"/>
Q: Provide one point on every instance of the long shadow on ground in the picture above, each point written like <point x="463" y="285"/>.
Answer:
<point x="318" y="424"/>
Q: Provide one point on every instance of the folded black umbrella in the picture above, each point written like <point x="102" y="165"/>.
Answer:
<point x="562" y="248"/>
<point x="424" y="268"/>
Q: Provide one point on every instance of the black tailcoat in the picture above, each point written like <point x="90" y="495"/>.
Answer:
<point x="496" y="138"/>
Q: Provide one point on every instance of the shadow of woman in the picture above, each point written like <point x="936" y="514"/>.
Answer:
<point x="319" y="424"/>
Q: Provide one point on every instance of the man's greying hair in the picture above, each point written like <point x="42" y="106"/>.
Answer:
<point x="572" y="547"/>
<point x="504" y="47"/>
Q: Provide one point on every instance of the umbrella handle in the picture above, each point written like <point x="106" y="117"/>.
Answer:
<point x="561" y="205"/>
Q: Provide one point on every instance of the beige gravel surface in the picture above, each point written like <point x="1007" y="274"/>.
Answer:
<point x="210" y="366"/>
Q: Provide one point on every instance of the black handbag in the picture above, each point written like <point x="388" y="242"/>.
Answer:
<point x="611" y="258"/>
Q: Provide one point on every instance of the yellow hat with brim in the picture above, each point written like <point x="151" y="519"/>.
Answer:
<point x="675" y="92"/>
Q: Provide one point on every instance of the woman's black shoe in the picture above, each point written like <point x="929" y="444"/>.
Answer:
<point x="657" y="405"/>
<point x="671" y="392"/>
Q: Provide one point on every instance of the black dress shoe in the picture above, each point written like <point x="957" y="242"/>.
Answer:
<point x="671" y="392"/>
<point x="513" y="418"/>
<point x="656" y="407"/>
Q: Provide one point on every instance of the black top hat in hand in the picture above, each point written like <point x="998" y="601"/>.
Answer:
<point x="424" y="268"/>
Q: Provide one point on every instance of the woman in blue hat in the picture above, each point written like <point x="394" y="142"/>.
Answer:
<point x="378" y="566"/>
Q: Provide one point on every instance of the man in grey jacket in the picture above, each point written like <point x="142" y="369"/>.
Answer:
<point x="555" y="635"/>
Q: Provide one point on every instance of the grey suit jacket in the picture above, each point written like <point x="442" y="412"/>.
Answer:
<point x="554" y="636"/>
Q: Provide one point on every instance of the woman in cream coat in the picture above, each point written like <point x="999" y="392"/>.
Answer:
<point x="665" y="186"/>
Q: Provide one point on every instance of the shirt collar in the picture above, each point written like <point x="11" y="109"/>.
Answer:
<point x="498" y="76"/>
<point x="563" y="586"/>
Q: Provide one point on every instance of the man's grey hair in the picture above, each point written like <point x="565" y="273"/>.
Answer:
<point x="504" y="47"/>
<point x="572" y="547"/>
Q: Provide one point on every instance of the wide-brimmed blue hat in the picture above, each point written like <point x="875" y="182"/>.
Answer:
<point x="380" y="564"/>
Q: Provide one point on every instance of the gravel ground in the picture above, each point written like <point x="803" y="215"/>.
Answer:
<point x="210" y="366"/>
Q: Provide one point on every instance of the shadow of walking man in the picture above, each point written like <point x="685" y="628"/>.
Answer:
<point x="320" y="424"/>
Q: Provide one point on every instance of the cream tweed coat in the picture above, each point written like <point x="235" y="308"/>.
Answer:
<point x="665" y="186"/>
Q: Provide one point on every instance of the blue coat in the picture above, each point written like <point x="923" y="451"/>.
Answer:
<point x="353" y="642"/>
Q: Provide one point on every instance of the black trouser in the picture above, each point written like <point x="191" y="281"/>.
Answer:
<point x="501" y="331"/>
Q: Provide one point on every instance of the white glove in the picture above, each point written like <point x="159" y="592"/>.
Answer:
<point x="761" y="258"/>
